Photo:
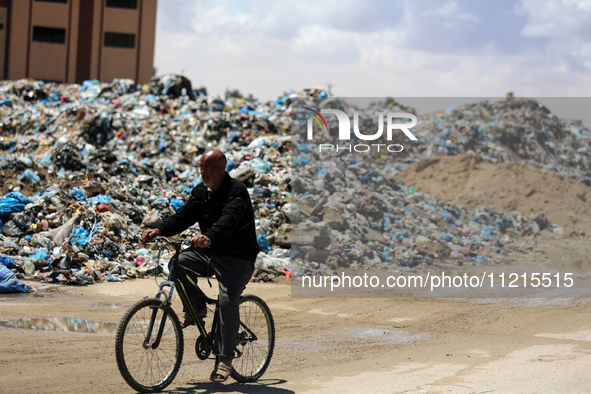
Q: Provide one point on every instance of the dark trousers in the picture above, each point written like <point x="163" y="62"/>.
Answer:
<point x="232" y="275"/>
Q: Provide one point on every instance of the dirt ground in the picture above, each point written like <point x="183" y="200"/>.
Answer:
<point x="323" y="345"/>
<point x="382" y="345"/>
<point x="471" y="181"/>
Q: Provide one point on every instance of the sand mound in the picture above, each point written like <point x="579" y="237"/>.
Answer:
<point x="471" y="181"/>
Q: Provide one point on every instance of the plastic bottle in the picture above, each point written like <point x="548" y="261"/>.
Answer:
<point x="29" y="268"/>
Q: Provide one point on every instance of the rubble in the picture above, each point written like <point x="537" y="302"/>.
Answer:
<point x="511" y="129"/>
<point x="87" y="167"/>
<point x="374" y="221"/>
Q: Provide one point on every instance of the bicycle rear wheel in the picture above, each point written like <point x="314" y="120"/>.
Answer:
<point x="144" y="368"/>
<point x="256" y="339"/>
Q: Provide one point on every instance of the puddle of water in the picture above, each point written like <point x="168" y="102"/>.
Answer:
<point x="11" y="296"/>
<point x="64" y="324"/>
<point x="394" y="337"/>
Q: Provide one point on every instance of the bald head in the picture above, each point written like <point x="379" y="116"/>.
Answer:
<point x="214" y="156"/>
<point x="213" y="168"/>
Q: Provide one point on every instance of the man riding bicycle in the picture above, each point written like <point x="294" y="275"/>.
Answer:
<point x="227" y="247"/>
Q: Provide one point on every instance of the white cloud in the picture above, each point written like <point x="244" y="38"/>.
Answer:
<point x="451" y="10"/>
<point x="584" y="5"/>
<point x="555" y="18"/>
<point x="365" y="48"/>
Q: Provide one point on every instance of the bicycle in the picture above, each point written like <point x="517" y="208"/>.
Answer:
<point x="149" y="343"/>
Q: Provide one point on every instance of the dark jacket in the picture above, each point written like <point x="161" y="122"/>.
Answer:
<point x="226" y="218"/>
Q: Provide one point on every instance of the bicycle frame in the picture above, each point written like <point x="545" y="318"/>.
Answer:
<point x="188" y="291"/>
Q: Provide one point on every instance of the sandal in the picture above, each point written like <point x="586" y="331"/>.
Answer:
<point x="187" y="320"/>
<point x="221" y="372"/>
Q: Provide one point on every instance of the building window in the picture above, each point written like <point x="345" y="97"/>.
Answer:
<point x="53" y="1"/>
<point x="120" y="40"/>
<point x="127" y="4"/>
<point x="49" y="34"/>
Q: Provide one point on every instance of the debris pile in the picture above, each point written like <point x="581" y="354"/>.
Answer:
<point x="86" y="167"/>
<point x="349" y="211"/>
<point x="513" y="129"/>
<point x="345" y="215"/>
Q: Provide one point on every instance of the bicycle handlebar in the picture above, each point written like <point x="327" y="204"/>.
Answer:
<point x="164" y="240"/>
<point x="160" y="238"/>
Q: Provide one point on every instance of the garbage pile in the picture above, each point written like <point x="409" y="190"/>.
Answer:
<point x="349" y="211"/>
<point x="86" y="168"/>
<point x="513" y="129"/>
<point x="368" y="220"/>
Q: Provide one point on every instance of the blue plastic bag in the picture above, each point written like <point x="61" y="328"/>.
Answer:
<point x="263" y="244"/>
<point x="80" y="236"/>
<point x="6" y="260"/>
<point x="9" y="283"/>
<point x="77" y="194"/>
<point x="13" y="202"/>
<point x="262" y="166"/>
<point x="41" y="255"/>
<point x="20" y="197"/>
<point x="230" y="165"/>
<point x="176" y="204"/>
<point x="300" y="161"/>
<point x="100" y="199"/>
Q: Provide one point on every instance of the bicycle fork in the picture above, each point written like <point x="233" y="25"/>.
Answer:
<point x="164" y="306"/>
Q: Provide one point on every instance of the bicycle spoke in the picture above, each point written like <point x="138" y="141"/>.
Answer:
<point x="146" y="368"/>
<point x="256" y="354"/>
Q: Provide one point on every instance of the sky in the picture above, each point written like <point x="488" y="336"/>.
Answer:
<point x="379" y="48"/>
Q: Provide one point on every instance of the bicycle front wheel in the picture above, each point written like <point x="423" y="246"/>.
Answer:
<point x="256" y="339"/>
<point x="145" y="366"/>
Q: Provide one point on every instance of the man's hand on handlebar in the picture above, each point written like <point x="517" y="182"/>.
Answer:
<point x="201" y="241"/>
<point x="149" y="234"/>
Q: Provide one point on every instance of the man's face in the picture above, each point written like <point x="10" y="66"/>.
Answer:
<point x="212" y="172"/>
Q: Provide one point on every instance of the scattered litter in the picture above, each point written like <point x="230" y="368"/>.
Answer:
<point x="87" y="167"/>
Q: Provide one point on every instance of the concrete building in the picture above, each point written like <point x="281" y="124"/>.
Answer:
<point x="75" y="40"/>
